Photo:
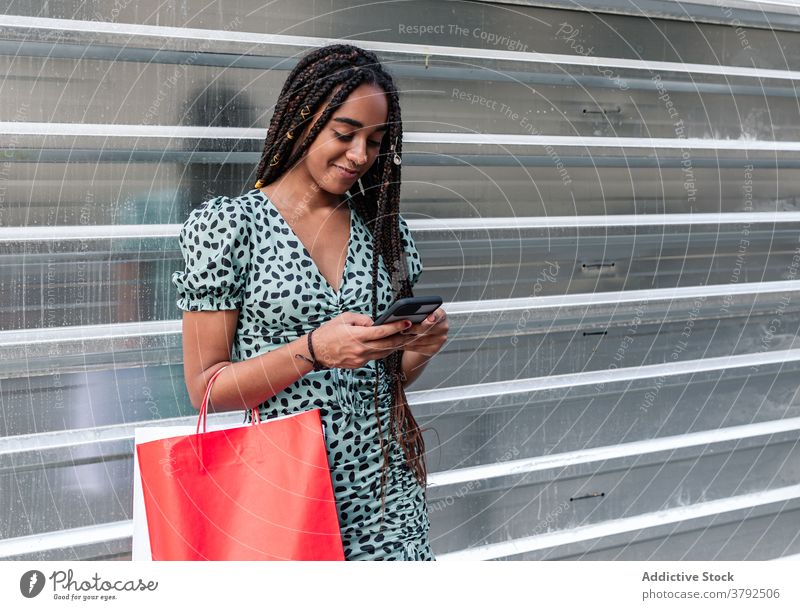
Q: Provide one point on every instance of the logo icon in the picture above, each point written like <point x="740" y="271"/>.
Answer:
<point x="31" y="583"/>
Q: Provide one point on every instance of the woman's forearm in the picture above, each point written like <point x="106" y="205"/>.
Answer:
<point x="246" y="384"/>
<point x="413" y="363"/>
<point x="243" y="385"/>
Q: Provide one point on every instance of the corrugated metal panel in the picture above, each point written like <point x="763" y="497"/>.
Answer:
<point x="768" y="14"/>
<point x="615" y="233"/>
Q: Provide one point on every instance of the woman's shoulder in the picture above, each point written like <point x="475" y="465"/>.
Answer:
<point x="216" y="242"/>
<point x="223" y="215"/>
<point x="241" y="208"/>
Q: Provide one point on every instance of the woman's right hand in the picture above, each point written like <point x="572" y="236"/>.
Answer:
<point x="349" y="340"/>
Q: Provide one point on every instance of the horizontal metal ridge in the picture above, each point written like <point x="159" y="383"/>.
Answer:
<point x="624" y="525"/>
<point x="610" y="452"/>
<point x="124" y="31"/>
<point x="600" y="141"/>
<point x="196" y="155"/>
<point x="125" y="432"/>
<point x="105" y="532"/>
<point x="223" y="58"/>
<point x="42" y="338"/>
<point x="585" y="299"/>
<point x="62" y="334"/>
<point x="775" y="6"/>
<point x="50" y="541"/>
<point x="65" y="439"/>
<point x="604" y="220"/>
<point x="601" y="377"/>
<point x="110" y="130"/>
<point x="685" y="9"/>
<point x="767" y="14"/>
<point x="90" y="332"/>
<point x="83" y="232"/>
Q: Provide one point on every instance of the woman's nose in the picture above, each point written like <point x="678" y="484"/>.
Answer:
<point x="357" y="154"/>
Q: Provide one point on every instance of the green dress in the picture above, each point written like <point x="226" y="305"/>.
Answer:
<point x="241" y="254"/>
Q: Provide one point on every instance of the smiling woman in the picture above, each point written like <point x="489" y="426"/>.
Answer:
<point x="350" y="145"/>
<point x="300" y="255"/>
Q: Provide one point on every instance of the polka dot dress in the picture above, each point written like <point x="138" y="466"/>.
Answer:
<point x="241" y="254"/>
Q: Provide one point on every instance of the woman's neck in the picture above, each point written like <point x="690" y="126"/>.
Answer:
<point x="293" y="189"/>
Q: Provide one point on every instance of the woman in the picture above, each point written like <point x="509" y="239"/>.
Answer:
<point x="285" y="281"/>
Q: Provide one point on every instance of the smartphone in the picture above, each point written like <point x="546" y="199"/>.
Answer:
<point x="415" y="309"/>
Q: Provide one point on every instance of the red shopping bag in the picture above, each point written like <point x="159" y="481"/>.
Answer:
<point x="257" y="492"/>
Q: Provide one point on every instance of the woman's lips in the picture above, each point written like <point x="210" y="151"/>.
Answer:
<point x="344" y="173"/>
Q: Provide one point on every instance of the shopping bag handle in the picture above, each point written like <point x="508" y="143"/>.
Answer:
<point x="204" y="406"/>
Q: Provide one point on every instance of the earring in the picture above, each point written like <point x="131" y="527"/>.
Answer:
<point x="397" y="160"/>
<point x="361" y="186"/>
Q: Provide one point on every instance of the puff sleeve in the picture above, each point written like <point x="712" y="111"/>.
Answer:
<point x="215" y="243"/>
<point x="413" y="259"/>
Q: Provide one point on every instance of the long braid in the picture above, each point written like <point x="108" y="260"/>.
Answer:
<point x="402" y="424"/>
<point x="309" y="84"/>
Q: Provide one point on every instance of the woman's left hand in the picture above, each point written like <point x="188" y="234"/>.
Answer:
<point x="431" y="334"/>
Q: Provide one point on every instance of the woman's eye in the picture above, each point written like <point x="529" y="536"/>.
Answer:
<point x="348" y="137"/>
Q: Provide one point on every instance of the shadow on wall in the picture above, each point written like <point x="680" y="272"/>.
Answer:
<point x="207" y="170"/>
<point x="142" y="287"/>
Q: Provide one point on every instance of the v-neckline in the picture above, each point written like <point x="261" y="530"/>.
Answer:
<point x="305" y="250"/>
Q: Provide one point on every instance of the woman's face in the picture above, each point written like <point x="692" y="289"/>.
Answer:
<point x="351" y="140"/>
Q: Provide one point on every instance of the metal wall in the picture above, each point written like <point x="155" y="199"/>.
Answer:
<point x="607" y="203"/>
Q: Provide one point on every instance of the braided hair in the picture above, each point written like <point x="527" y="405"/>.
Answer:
<point x="313" y="79"/>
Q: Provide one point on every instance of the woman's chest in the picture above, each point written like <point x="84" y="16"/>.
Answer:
<point x="286" y="293"/>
